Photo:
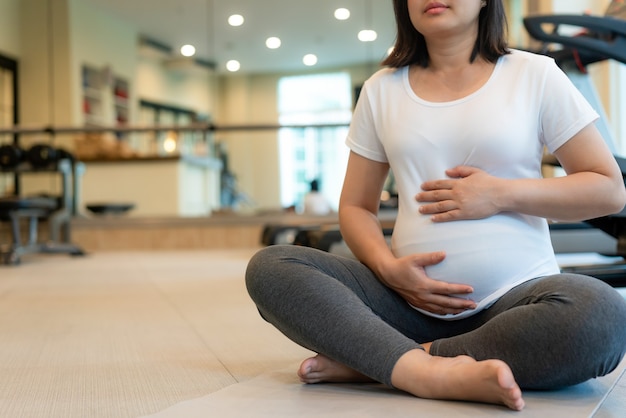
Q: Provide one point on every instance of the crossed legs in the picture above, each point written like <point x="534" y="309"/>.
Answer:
<point x="363" y="330"/>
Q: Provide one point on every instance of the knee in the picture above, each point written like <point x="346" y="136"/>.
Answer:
<point x="276" y="269"/>
<point x="260" y="269"/>
<point x="601" y="302"/>
<point x="601" y="322"/>
<point x="594" y="302"/>
<point x="581" y="332"/>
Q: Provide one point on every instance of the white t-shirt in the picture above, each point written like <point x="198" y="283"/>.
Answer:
<point x="528" y="102"/>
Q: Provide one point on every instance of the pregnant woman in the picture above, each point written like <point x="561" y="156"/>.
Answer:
<point x="468" y="303"/>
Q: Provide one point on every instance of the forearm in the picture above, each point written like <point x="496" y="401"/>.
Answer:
<point x="575" y="197"/>
<point x="363" y="234"/>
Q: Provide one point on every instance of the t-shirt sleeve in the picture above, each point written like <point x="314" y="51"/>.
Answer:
<point x="362" y="137"/>
<point x="564" y="110"/>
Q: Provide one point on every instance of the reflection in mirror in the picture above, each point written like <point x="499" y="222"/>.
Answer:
<point x="259" y="162"/>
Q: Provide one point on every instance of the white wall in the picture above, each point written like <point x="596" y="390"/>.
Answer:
<point x="99" y="40"/>
<point x="596" y="7"/>
<point x="254" y="155"/>
<point x="189" y="87"/>
<point x="9" y="28"/>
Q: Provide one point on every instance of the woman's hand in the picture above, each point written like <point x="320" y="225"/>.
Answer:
<point x="407" y="276"/>
<point x="469" y="193"/>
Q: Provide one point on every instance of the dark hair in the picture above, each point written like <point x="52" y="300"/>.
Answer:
<point x="410" y="47"/>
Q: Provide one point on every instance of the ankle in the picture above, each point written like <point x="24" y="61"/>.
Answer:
<point x="408" y="369"/>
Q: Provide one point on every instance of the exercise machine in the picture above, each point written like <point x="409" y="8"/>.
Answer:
<point x="57" y="210"/>
<point x="597" y="38"/>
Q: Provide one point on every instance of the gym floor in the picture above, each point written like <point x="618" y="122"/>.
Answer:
<point x="126" y="334"/>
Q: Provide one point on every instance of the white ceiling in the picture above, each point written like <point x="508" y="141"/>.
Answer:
<point x="304" y="26"/>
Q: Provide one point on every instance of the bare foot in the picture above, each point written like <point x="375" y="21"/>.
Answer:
<point x="457" y="378"/>
<point x="322" y="369"/>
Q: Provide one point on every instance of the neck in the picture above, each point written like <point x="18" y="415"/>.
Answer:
<point x="450" y="53"/>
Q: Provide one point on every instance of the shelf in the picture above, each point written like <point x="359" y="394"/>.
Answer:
<point x="92" y="93"/>
<point x="105" y="97"/>
<point x="121" y="102"/>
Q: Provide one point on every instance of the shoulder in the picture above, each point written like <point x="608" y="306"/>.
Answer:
<point x="529" y="59"/>
<point x="386" y="82"/>
<point x="385" y="76"/>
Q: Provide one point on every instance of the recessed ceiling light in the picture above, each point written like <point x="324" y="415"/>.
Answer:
<point x="236" y="20"/>
<point x="309" y="60"/>
<point x="188" y="50"/>
<point x="233" y="66"/>
<point x="368" y="35"/>
<point x="342" y="14"/>
<point x="273" y="42"/>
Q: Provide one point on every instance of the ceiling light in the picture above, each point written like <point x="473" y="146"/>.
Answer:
<point x="342" y="14"/>
<point x="273" y="42"/>
<point x="188" y="50"/>
<point x="236" y="20"/>
<point x="309" y="60"/>
<point x="368" y="35"/>
<point x="233" y="66"/>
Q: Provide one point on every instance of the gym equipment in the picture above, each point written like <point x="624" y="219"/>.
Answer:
<point x="11" y="156"/>
<point x="600" y="38"/>
<point x="42" y="155"/>
<point x="57" y="210"/>
<point x="110" y="208"/>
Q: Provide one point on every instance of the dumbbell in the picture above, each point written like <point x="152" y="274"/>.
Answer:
<point x="63" y="154"/>
<point x="42" y="155"/>
<point x="10" y="156"/>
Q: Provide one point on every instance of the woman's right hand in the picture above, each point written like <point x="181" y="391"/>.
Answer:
<point x="407" y="276"/>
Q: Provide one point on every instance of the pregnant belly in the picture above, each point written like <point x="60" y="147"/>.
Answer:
<point x="490" y="257"/>
<point x="484" y="268"/>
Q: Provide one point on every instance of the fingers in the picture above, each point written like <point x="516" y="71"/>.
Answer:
<point x="455" y="174"/>
<point x="433" y="295"/>
<point x="443" y="304"/>
<point x="438" y="207"/>
<point x="461" y="171"/>
<point x="445" y="298"/>
<point x="452" y="303"/>
<point x="447" y="295"/>
<point x="428" y="259"/>
<point x="435" y="185"/>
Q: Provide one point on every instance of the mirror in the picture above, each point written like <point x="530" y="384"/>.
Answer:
<point x="114" y="63"/>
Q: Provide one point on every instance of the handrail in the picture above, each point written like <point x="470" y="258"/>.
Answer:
<point x="611" y="43"/>
<point x="204" y="127"/>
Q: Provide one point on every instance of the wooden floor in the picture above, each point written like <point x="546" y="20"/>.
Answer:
<point x="128" y="334"/>
<point x="125" y="334"/>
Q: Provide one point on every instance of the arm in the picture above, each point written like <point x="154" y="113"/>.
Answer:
<point x="361" y="229"/>
<point x="593" y="187"/>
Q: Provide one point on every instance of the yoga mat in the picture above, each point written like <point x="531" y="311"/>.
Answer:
<point x="280" y="394"/>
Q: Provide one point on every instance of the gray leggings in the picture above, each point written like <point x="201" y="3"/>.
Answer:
<point x="553" y="331"/>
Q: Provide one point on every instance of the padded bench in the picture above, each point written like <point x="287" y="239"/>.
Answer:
<point x="13" y="210"/>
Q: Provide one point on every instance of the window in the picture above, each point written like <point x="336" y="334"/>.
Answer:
<point x="313" y="153"/>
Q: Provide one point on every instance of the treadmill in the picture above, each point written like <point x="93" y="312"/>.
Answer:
<point x="599" y="38"/>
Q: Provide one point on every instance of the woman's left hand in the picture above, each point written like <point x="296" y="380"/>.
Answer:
<point x="469" y="193"/>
